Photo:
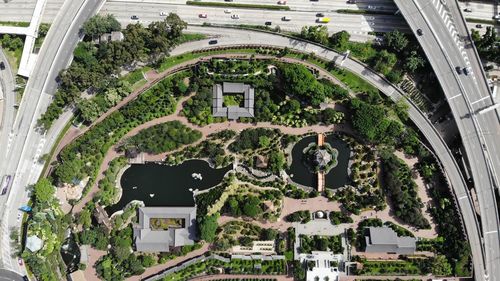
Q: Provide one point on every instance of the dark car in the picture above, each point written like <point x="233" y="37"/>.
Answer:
<point x="25" y="278"/>
<point x="458" y="69"/>
<point x="351" y="2"/>
<point x="134" y="17"/>
<point x="228" y="0"/>
<point x="320" y="15"/>
<point x="420" y="32"/>
<point x="466" y="71"/>
<point x="212" y="42"/>
<point x="268" y="23"/>
<point x="479" y="26"/>
<point x="2" y="65"/>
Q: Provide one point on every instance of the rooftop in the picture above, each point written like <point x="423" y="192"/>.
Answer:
<point x="232" y="112"/>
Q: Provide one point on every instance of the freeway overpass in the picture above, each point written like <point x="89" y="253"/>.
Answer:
<point x="442" y="26"/>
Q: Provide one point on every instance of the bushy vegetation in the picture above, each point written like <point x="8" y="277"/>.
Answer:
<point x="395" y="56"/>
<point x="339" y="217"/>
<point x="48" y="223"/>
<point x="162" y="138"/>
<point x="95" y="67"/>
<point x="402" y="191"/>
<point x="320" y="243"/>
<point x="83" y="157"/>
<point x="299" y="216"/>
<point x="487" y="45"/>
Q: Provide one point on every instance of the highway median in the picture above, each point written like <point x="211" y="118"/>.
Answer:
<point x="363" y="12"/>
<point x="238" y="5"/>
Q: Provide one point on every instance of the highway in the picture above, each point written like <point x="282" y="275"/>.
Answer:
<point x="466" y="94"/>
<point x="7" y="86"/>
<point x="30" y="142"/>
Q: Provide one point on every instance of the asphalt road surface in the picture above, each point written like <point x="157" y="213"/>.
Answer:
<point x="23" y="158"/>
<point x="466" y="94"/>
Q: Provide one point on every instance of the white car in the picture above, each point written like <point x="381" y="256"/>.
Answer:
<point x="228" y="11"/>
<point x="235" y="17"/>
<point x="18" y="217"/>
<point x="282" y="2"/>
<point x="163" y="14"/>
<point x="203" y="16"/>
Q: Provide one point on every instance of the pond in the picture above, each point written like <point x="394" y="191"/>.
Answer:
<point x="162" y="185"/>
<point x="337" y="177"/>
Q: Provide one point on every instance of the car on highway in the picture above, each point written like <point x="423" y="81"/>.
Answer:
<point x="2" y="65"/>
<point x="163" y="14"/>
<point x="235" y="17"/>
<point x="25" y="278"/>
<point x="228" y="11"/>
<point x="18" y="217"/>
<point x="467" y="70"/>
<point x="496" y="17"/>
<point x="20" y="261"/>
<point x="468" y="10"/>
<point x="420" y="32"/>
<point x="479" y="26"/>
<point x="134" y="17"/>
<point x="203" y="16"/>
<point x="351" y="2"/>
<point x="282" y="2"/>
<point x="228" y="0"/>
<point x="323" y="20"/>
<point x="320" y="15"/>
<point x="268" y="23"/>
<point x="286" y="18"/>
<point x="212" y="42"/>
<point x="458" y="69"/>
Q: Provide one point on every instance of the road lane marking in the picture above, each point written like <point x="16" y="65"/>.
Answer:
<point x="481" y="99"/>
<point x="491" y="232"/>
<point x="455" y="96"/>
<point x="463" y="197"/>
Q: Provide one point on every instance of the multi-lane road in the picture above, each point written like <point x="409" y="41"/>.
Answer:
<point x="442" y="27"/>
<point x="459" y="89"/>
<point x="22" y="158"/>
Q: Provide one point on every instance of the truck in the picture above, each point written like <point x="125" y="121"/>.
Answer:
<point x="323" y="20"/>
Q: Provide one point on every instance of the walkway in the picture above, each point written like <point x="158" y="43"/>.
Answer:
<point x="321" y="203"/>
<point x="171" y="263"/>
<point x="241" y="276"/>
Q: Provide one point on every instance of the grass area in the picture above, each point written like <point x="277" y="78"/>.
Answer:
<point x="136" y="78"/>
<point x="363" y="12"/>
<point x="239" y="5"/>
<point x="492" y="22"/>
<point x="172" y="61"/>
<point x="15" y="23"/>
<point x="188" y="37"/>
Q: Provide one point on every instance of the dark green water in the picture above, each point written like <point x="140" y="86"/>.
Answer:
<point x="169" y="184"/>
<point x="337" y="177"/>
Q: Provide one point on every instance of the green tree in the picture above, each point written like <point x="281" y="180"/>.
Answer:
<point x="396" y="41"/>
<point x="208" y="227"/>
<point x="251" y="207"/>
<point x="440" y="266"/>
<point x="340" y="40"/>
<point x="317" y="33"/>
<point x="383" y="62"/>
<point x="98" y="25"/>
<point x="85" y="218"/>
<point x="413" y="62"/>
<point x="277" y="161"/>
<point x="44" y="191"/>
<point x="299" y="81"/>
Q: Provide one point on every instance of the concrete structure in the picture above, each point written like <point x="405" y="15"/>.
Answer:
<point x="110" y="37"/>
<point x="148" y="239"/>
<point x="446" y="42"/>
<point x="232" y="112"/>
<point x="33" y="243"/>
<point x="264" y="247"/>
<point x="385" y="240"/>
<point x="325" y="265"/>
<point x="77" y="276"/>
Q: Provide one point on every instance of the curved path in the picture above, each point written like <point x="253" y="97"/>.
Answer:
<point x="7" y="101"/>
<point x="443" y="153"/>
